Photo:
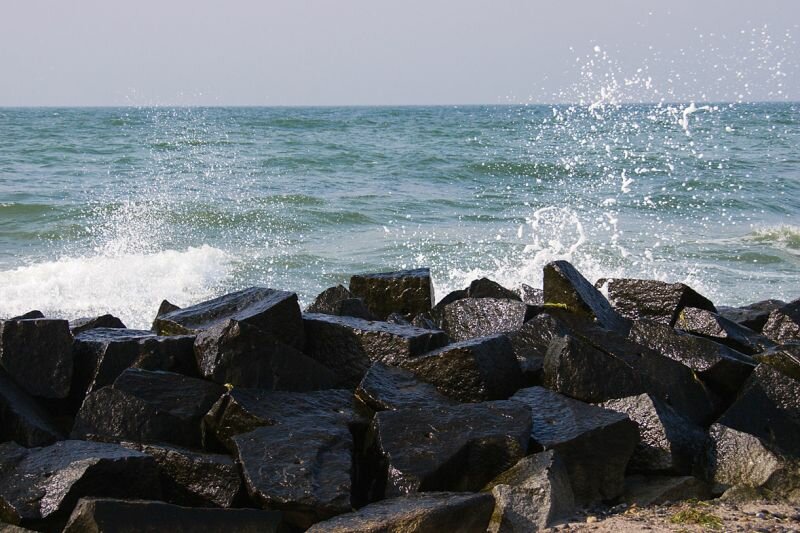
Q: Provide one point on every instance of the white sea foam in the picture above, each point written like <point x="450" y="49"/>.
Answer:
<point x="129" y="286"/>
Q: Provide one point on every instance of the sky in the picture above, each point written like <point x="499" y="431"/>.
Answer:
<point x="372" y="52"/>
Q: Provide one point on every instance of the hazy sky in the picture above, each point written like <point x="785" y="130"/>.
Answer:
<point x="308" y="52"/>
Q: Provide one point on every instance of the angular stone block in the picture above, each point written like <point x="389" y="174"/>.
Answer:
<point x="407" y="292"/>
<point x="22" y="419"/>
<point x="644" y="491"/>
<point x="752" y="316"/>
<point x="654" y="300"/>
<point x="783" y="325"/>
<point x="339" y="301"/>
<point x="468" y="318"/>
<point x="719" y="329"/>
<point x="37" y="354"/>
<point x="389" y="388"/>
<point x="80" y="325"/>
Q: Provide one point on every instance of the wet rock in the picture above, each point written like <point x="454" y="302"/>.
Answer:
<point x="652" y="300"/>
<point x="166" y="307"/>
<point x="273" y="311"/>
<point x="145" y="406"/>
<point x="752" y="316"/>
<point x="22" y="419"/>
<point x="783" y="325"/>
<point x="407" y="292"/>
<point x="40" y="486"/>
<point x="785" y="358"/>
<point x="469" y="318"/>
<point x="531" y="495"/>
<point x="530" y="344"/>
<point x="669" y="442"/>
<point x="424" y="321"/>
<point x="340" y="302"/>
<point x="475" y="370"/>
<point x="531" y="296"/>
<point x="768" y="407"/>
<point x="134" y="516"/>
<point x="244" y="356"/>
<point x="595" y="443"/>
<point x="29" y="315"/>
<point x="302" y="467"/>
<point x="348" y="345"/>
<point x="387" y="388"/>
<point x="565" y="287"/>
<point x="722" y="368"/>
<point x="441" y="448"/>
<point x="194" y="478"/>
<point x="37" y="354"/>
<point x="719" y="329"/>
<point x="104" y="321"/>
<point x="656" y="490"/>
<point x="486" y="288"/>
<point x="429" y="512"/>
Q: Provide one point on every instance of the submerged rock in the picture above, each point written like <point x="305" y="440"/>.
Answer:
<point x="104" y="321"/>
<point x="407" y="292"/>
<point x="653" y="300"/>
<point x="22" y="419"/>
<point x="37" y="354"/>
<point x="724" y="331"/>
<point x="468" y="318"/>
<point x="387" y="388"/>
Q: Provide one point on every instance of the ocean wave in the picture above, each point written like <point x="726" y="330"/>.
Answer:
<point x="784" y="236"/>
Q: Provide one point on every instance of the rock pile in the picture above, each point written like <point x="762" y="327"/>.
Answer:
<point x="375" y="410"/>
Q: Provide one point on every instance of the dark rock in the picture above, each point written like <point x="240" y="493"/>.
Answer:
<point x="424" y="321"/>
<point x="144" y="406"/>
<point x="22" y="419"/>
<point x="37" y="354"/>
<point x="348" y="345"/>
<point x="768" y="407"/>
<point x="397" y="318"/>
<point x="669" y="442"/>
<point x="40" y="486"/>
<point x="135" y="516"/>
<point x="104" y="321"/>
<point x="429" y="512"/>
<point x="469" y="318"/>
<point x="443" y="448"/>
<point x="276" y="312"/>
<point x="486" y="288"/>
<point x="387" y="388"/>
<point x="711" y="325"/>
<point x="244" y="356"/>
<point x="243" y="410"/>
<point x="531" y="495"/>
<point x="449" y="298"/>
<point x="29" y="315"/>
<point x="722" y="368"/>
<point x="785" y="358"/>
<point x="657" y="490"/>
<point x="166" y="307"/>
<point x="752" y="316"/>
<point x="8" y="528"/>
<point x="595" y="443"/>
<point x="475" y="370"/>
<point x="302" y="467"/>
<point x="783" y="325"/>
<point x="193" y="478"/>
<point x="531" y="296"/>
<point x="340" y="302"/>
<point x="653" y="300"/>
<point x="565" y="287"/>
<point x="530" y="344"/>
<point x="407" y="292"/>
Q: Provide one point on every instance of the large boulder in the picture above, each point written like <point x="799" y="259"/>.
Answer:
<point x="651" y="299"/>
<point x="428" y="512"/>
<point x="530" y="344"/>
<point x="724" y="331"/>
<point x="40" y="486"/>
<point x="276" y="312"/>
<point x="145" y="406"/>
<point x="785" y="358"/>
<point x="531" y="495"/>
<point x="595" y="443"/>
<point x="387" y="387"/>
<point x="407" y="292"/>
<point x="37" y="354"/>
<point x="22" y="419"/>
<point x="350" y="345"/>
<point x="475" y="370"/>
<point x="80" y="325"/>
<point x="752" y="316"/>
<point x="480" y="288"/>
<point x="106" y="515"/>
<point x="245" y="356"/>
<point x="783" y="325"/>
<point x="340" y="301"/>
<point x="446" y="448"/>
<point x="468" y="318"/>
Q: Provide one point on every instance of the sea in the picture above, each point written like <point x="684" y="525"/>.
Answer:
<point x="112" y="210"/>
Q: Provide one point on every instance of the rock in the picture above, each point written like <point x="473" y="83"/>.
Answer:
<point x="768" y="407"/>
<point x="475" y="370"/>
<point x="428" y="512"/>
<point x="340" y="302"/>
<point x="446" y="448"/>
<point x="388" y="388"/>
<point x="657" y="490"/>
<point x="166" y="307"/>
<point x="531" y="296"/>
<point x="273" y="311"/>
<point x="424" y="321"/>
<point x="22" y="419"/>
<point x="594" y="443"/>
<point x="40" y="486"/>
<point x="407" y="292"/>
<point x="469" y="318"/>
<point x="722" y="368"/>
<point x="134" y="516"/>
<point x="29" y="315"/>
<point x="148" y="407"/>
<point x="193" y="478"/>
<point x="785" y="358"/>
<point x="104" y="321"/>
<point x="783" y="325"/>
<point x="486" y="288"/>
<point x="752" y="316"/>
<point x="654" y="300"/>
<point x="740" y="458"/>
<point x="711" y="325"/>
<point x="348" y="345"/>
<point x="530" y="344"/>
<point x="565" y="287"/>
<point x="531" y="495"/>
<point x="302" y="467"/>
<point x="669" y="442"/>
<point x="244" y="356"/>
<point x="37" y="354"/>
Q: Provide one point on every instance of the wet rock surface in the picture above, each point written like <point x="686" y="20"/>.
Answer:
<point x="724" y="331"/>
<point x="785" y="358"/>
<point x="530" y="344"/>
<point x="468" y="318"/>
<point x="386" y="387"/>
<point x="752" y="316"/>
<point x="407" y="292"/>
<point x="103" y="321"/>
<point x="340" y="301"/>
<point x="652" y="300"/>
<point x="22" y="419"/>
<point x="37" y="354"/>
<point x="783" y="324"/>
